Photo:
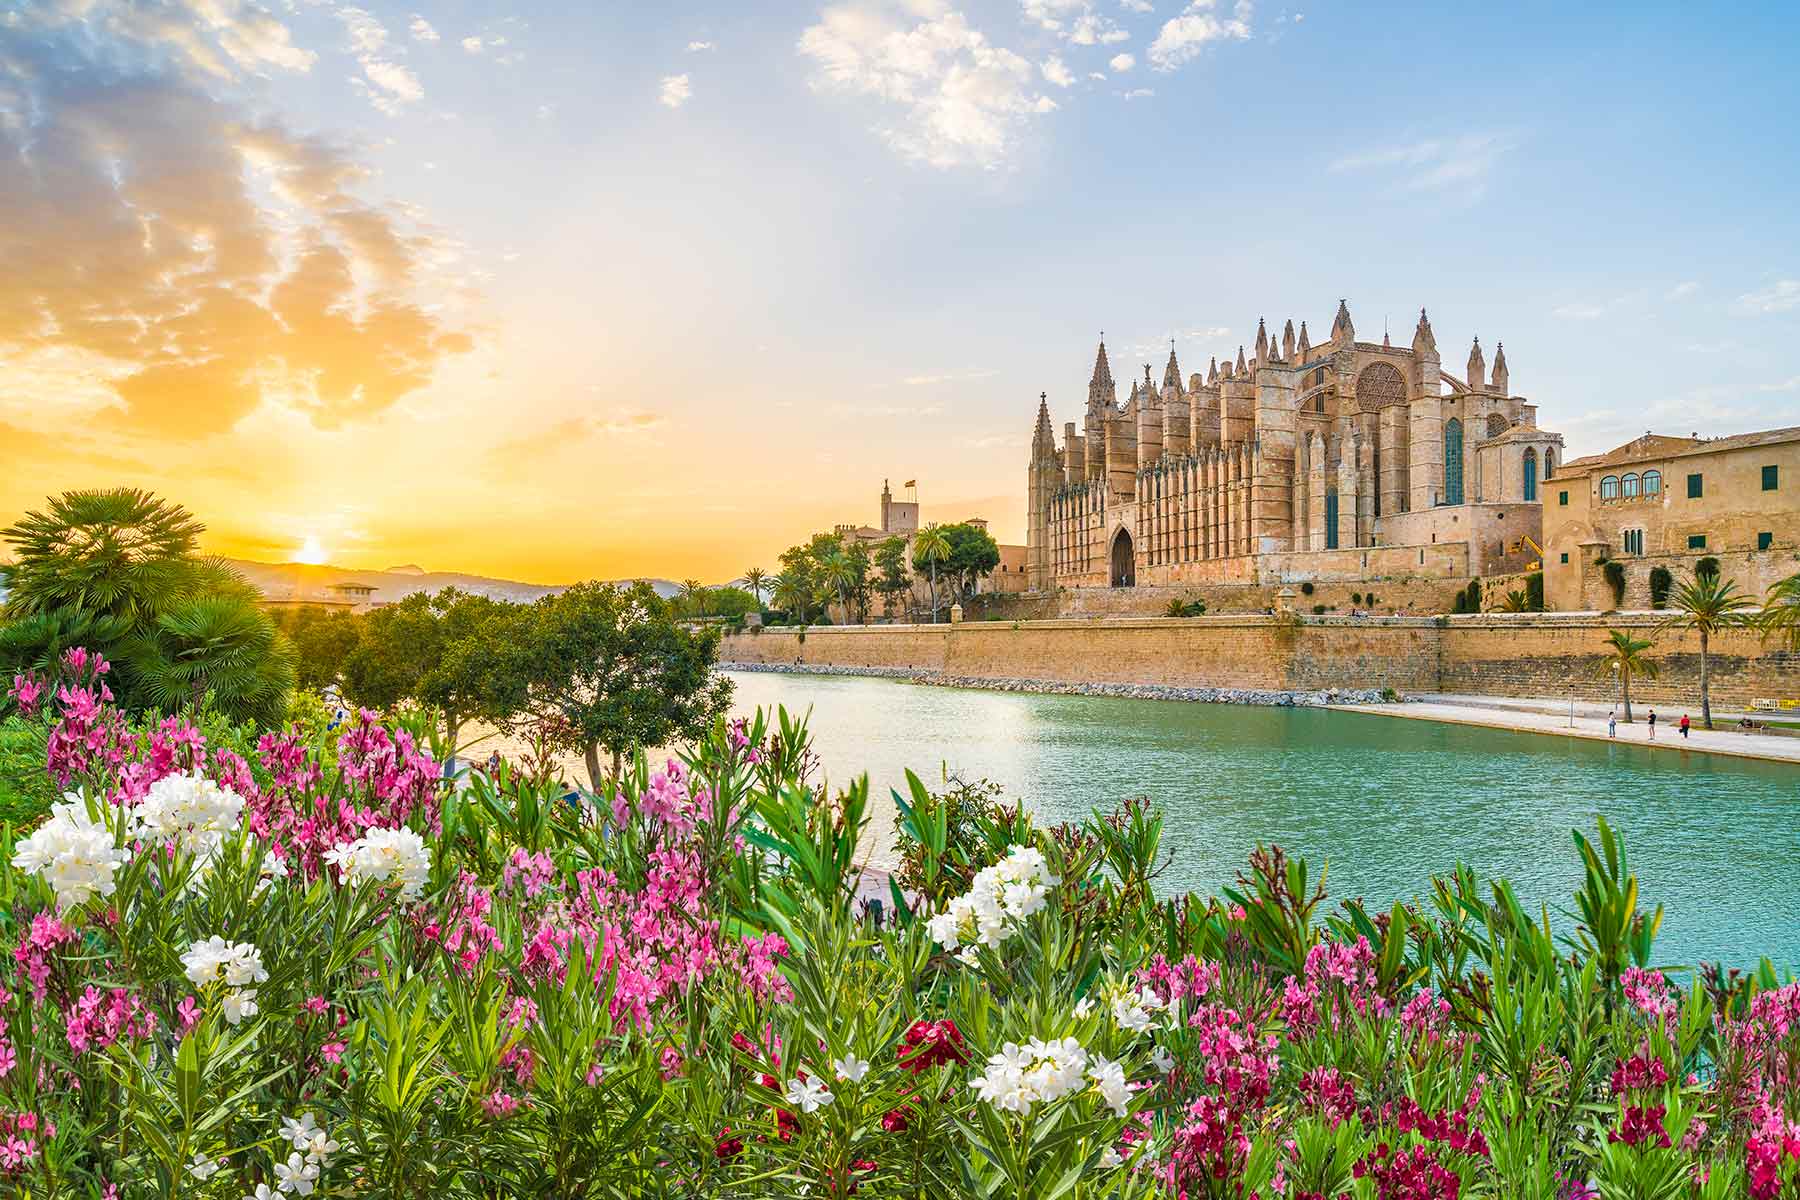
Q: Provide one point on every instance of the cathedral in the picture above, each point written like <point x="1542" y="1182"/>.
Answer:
<point x="1342" y="461"/>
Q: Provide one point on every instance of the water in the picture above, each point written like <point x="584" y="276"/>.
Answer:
<point x="1387" y="801"/>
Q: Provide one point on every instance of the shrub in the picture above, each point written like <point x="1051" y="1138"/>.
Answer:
<point x="1534" y="591"/>
<point x="1306" y="589"/>
<point x="1356" y="597"/>
<point x="1318" y="609"/>
<point x="1707" y="566"/>
<point x="1614" y="573"/>
<point x="1660" y="583"/>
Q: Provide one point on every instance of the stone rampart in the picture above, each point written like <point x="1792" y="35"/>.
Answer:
<point x="1529" y="654"/>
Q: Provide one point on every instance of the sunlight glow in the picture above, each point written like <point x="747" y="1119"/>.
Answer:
<point x="311" y="552"/>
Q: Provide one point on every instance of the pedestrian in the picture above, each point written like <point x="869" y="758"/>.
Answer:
<point x="1653" y="724"/>
<point x="1684" y="725"/>
<point x="1612" y="723"/>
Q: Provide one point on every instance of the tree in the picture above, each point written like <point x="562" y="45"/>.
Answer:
<point x="792" y="593"/>
<point x="1781" y="612"/>
<point x="973" y="555"/>
<point x="37" y="642"/>
<point x="839" y="572"/>
<point x="895" y="579"/>
<point x="119" y="552"/>
<point x="856" y="559"/>
<point x="445" y="651"/>
<point x="693" y="595"/>
<point x="618" y="671"/>
<point x="1708" y="604"/>
<point x="217" y="644"/>
<point x="322" y="639"/>
<point x="753" y="579"/>
<point x="1624" y="658"/>
<point x="931" y="546"/>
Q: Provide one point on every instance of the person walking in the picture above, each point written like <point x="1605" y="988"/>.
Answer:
<point x="1612" y="723"/>
<point x="1684" y="726"/>
<point x="1653" y="724"/>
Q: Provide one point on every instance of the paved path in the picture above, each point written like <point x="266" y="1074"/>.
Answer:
<point x="1552" y="716"/>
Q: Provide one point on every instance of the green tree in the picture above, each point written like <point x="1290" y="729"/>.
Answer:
<point x="857" y="563"/>
<point x="894" y="579"/>
<point x="323" y="639"/>
<point x="1708" y="604"/>
<point x="115" y="552"/>
<point x="444" y="651"/>
<point x="36" y="642"/>
<point x="931" y="546"/>
<point x="216" y="644"/>
<point x="1781" y="612"/>
<point x="973" y="555"/>
<point x="1624" y="657"/>
<point x="693" y="597"/>
<point x="792" y="592"/>
<point x="836" y="570"/>
<point x="753" y="579"/>
<point x="615" y="668"/>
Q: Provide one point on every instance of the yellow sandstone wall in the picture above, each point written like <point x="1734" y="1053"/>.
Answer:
<point x="1535" y="655"/>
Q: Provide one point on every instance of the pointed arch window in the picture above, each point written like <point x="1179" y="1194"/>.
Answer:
<point x="1530" y="474"/>
<point x="1453" y="461"/>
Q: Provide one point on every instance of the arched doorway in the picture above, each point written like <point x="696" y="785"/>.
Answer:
<point x="1124" y="568"/>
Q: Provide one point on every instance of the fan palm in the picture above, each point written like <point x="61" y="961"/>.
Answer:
<point x="1707" y="604"/>
<point x="753" y="578"/>
<point x="1624" y="657"/>
<point x="115" y="552"/>
<point x="931" y="546"/>
<point x="36" y="642"/>
<point x="838" y="572"/>
<point x="219" y="644"/>
<point x="792" y="594"/>
<point x="1781" y="612"/>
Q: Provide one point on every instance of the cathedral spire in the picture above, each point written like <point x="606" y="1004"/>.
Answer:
<point x="1100" y="387"/>
<point x="1477" y="368"/>
<point x="1287" y="340"/>
<point x="1423" y="340"/>
<point x="1341" y="328"/>
<point x="1241" y="368"/>
<point x="1212" y="369"/>
<point x="1262" y="341"/>
<point x="1500" y="380"/>
<point x="1172" y="372"/>
<point x="1043" y="436"/>
<point x="1305" y="346"/>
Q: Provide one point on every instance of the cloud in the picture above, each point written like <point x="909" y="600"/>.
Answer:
<point x="1579" y="311"/>
<point x="697" y="47"/>
<point x="1781" y="296"/>
<point x="1137" y="6"/>
<point x="190" y="263"/>
<point x="216" y="39"/>
<point x="388" y="85"/>
<point x="1120" y="63"/>
<point x="1182" y="38"/>
<point x="421" y="30"/>
<point x="1092" y="29"/>
<point x="472" y="44"/>
<point x="1138" y="93"/>
<point x="1056" y="71"/>
<point x="961" y="376"/>
<point x="1450" y="164"/>
<point x="1790" y="384"/>
<point x="959" y="99"/>
<point x="1682" y="291"/>
<point x="675" y="91"/>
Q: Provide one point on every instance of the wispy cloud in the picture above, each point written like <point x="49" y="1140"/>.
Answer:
<point x="1441" y="164"/>
<point x="389" y="85"/>
<point x="961" y="376"/>
<point x="675" y="91"/>
<point x="960" y="99"/>
<point x="1183" y="37"/>
<point x="1057" y="71"/>
<point x="697" y="47"/>
<point x="1138" y="93"/>
<point x="1781" y="296"/>
<point x="1790" y="384"/>
<point x="421" y="30"/>
<point x="1121" y="63"/>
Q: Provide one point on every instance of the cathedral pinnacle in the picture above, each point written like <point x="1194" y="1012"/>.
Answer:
<point x="1262" y="341"/>
<point x="1212" y="369"/>
<point x="1423" y="340"/>
<point x="1172" y="372"/>
<point x="1241" y="368"/>
<point x="1305" y="346"/>
<point x="1287" y="340"/>
<point x="1477" y="368"/>
<point x="1100" y="387"/>
<point x="1341" y="328"/>
<point x="1501" y="383"/>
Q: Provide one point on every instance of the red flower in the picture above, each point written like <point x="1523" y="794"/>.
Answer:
<point x="728" y="1147"/>
<point x="930" y="1043"/>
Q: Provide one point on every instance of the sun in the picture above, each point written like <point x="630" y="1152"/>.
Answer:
<point x="311" y="552"/>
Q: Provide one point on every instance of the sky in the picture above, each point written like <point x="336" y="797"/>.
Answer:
<point x="557" y="291"/>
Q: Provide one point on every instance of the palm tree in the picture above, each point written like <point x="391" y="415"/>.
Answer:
<point x="1516" y="602"/>
<point x="1708" y="604"/>
<point x="1624" y="658"/>
<point x="754" y="579"/>
<point x="691" y="596"/>
<point x="116" y="552"/>
<point x="36" y="642"/>
<point x="218" y="643"/>
<point x="837" y="570"/>
<point x="932" y="546"/>
<point x="1781" y="612"/>
<point x="790" y="593"/>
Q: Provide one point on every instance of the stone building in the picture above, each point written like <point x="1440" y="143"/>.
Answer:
<point x="1342" y="461"/>
<point x="1668" y="502"/>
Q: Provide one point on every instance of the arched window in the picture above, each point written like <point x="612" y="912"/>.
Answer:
<point x="1628" y="486"/>
<point x="1652" y="483"/>
<point x="1549" y="463"/>
<point x="1530" y="474"/>
<point x="1331" y="518"/>
<point x="1496" y="425"/>
<point x="1609" y="488"/>
<point x="1453" y="462"/>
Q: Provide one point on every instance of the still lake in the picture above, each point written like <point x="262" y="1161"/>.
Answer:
<point x="1387" y="801"/>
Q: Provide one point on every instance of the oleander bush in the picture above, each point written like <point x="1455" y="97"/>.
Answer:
<point x="315" y="967"/>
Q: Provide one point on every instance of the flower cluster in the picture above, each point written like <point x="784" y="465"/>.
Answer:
<point x="191" y="809"/>
<point x="1001" y="896"/>
<point x="237" y="964"/>
<point x="1037" y="1072"/>
<point x="73" y="852"/>
<point x="391" y="857"/>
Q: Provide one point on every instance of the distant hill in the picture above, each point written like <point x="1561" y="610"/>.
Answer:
<point x="302" y="582"/>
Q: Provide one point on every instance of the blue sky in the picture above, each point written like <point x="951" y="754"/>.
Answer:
<point x="669" y="286"/>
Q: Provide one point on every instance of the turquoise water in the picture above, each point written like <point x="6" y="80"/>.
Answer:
<point x="1387" y="801"/>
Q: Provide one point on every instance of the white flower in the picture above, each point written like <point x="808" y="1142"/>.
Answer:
<point x="73" y="852"/>
<point x="300" y="1133"/>
<point x="238" y="1005"/>
<point x="262" y="1192"/>
<point x="273" y="867"/>
<point x="1162" y="1060"/>
<point x="809" y="1095"/>
<point x="297" y="1175"/>
<point x="1109" y="1082"/>
<point x="999" y="898"/>
<point x="202" y="1168"/>
<point x="238" y="963"/>
<point x="321" y="1147"/>
<point x="396" y="857"/>
<point x="1020" y="1076"/>
<point x="1109" y="1157"/>
<point x="190" y="808"/>
<point x="1084" y="1006"/>
<point x="850" y="1068"/>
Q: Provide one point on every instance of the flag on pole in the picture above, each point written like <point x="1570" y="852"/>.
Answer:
<point x="910" y="483"/>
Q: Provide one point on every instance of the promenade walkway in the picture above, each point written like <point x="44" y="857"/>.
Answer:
<point x="1552" y="716"/>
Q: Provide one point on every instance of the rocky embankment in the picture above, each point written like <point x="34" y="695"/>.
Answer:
<point x="1130" y="691"/>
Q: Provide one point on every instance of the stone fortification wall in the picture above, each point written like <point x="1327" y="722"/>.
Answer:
<point x="1532" y="654"/>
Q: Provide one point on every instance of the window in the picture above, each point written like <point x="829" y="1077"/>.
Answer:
<point x="1764" y="540"/>
<point x="1562" y="498"/>
<point x="1628" y="486"/>
<point x="1565" y="556"/>
<point x="1453" y="461"/>
<point x="1694" y="486"/>
<point x="1696" y="541"/>
<point x="1530" y="474"/>
<point x="1331" y="520"/>
<point x="1634" y="541"/>
<point x="1652" y="483"/>
<point x="1609" y="488"/>
<point x="1771" y="478"/>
